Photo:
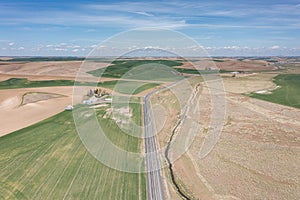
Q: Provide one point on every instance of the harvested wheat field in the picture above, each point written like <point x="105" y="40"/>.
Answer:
<point x="47" y="70"/>
<point x="229" y="65"/>
<point x="21" y="108"/>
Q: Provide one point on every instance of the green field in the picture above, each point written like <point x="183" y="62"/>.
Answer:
<point x="288" y="92"/>
<point x="14" y="83"/>
<point x="48" y="161"/>
<point x="120" y="67"/>
<point x="195" y="71"/>
<point x="125" y="87"/>
<point x="124" y="141"/>
<point x="129" y="87"/>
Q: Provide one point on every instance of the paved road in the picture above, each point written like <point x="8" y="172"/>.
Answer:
<point x="154" y="183"/>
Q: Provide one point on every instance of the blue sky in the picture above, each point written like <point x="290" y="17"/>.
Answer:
<point x="229" y="28"/>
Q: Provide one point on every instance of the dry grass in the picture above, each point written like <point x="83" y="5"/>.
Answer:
<point x="33" y="97"/>
<point x="50" y="70"/>
<point x="230" y="65"/>
<point x="257" y="156"/>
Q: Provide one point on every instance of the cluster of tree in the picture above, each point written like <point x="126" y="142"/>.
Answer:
<point x="97" y="92"/>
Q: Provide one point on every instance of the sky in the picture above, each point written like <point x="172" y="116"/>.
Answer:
<point x="222" y="28"/>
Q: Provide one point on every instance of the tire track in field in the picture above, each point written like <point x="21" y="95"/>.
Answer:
<point x="43" y="163"/>
<point x="74" y="177"/>
<point x="50" y="173"/>
<point x="40" y="147"/>
<point x="12" y="192"/>
<point x="84" y="179"/>
<point x="104" y="184"/>
<point x="64" y="170"/>
<point x="94" y="169"/>
<point x="24" y="138"/>
<point x="113" y="183"/>
<point x="13" y="162"/>
<point x="122" y="186"/>
<point x="103" y="169"/>
<point x="19" y="166"/>
<point x="118" y="183"/>
<point x="97" y="190"/>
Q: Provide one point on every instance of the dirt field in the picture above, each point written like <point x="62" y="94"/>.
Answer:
<point x="15" y="116"/>
<point x="230" y="65"/>
<point x="54" y="70"/>
<point x="257" y="155"/>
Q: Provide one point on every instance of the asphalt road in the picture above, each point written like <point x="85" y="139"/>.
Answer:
<point x="153" y="182"/>
<point x="153" y="177"/>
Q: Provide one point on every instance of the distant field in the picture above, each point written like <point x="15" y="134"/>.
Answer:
<point x="38" y="59"/>
<point x="288" y="92"/>
<point x="129" y="87"/>
<point x="25" y="83"/>
<point x="125" y="87"/>
<point x="195" y="71"/>
<point x="120" y="67"/>
<point x="48" y="161"/>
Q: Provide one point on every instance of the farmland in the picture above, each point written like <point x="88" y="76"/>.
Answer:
<point x="14" y="83"/>
<point x="124" y="87"/>
<point x="128" y="87"/>
<point x="48" y="161"/>
<point x="287" y="93"/>
<point x="120" y="67"/>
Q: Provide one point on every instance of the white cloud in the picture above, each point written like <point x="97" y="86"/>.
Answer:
<point x="232" y="47"/>
<point x="275" y="47"/>
<point x="75" y="50"/>
<point x="11" y="44"/>
<point x="21" y="48"/>
<point x="144" y="13"/>
<point x="60" y="49"/>
<point x="91" y="30"/>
